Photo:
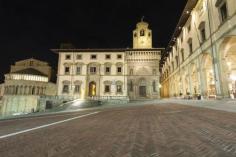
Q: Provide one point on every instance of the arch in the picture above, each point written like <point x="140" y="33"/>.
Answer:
<point x="208" y="78"/>
<point x="92" y="89"/>
<point x="227" y="62"/>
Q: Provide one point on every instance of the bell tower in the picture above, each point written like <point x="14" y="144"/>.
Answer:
<point x="142" y="36"/>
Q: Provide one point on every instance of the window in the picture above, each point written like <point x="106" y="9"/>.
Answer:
<point x="154" y="86"/>
<point x="108" y="57"/>
<point x="149" y="34"/>
<point x="107" y="88"/>
<point x="182" y="54"/>
<point x="108" y="69"/>
<point x="135" y="35"/>
<point x="119" y="88"/>
<point x="223" y="12"/>
<point x="65" y="89"/>
<point x="67" y="70"/>
<point x="181" y="38"/>
<point x="177" y="60"/>
<point x="190" y="45"/>
<point x="119" y="70"/>
<point x="93" y="56"/>
<point x="173" y="66"/>
<point x="77" y="89"/>
<point x="78" y="70"/>
<point x="119" y="56"/>
<point x="131" y="86"/>
<point x="203" y="34"/>
<point x="202" y="31"/>
<point x="68" y="57"/>
<point x="189" y="27"/>
<point x="93" y="70"/>
<point x="142" y="33"/>
<point x="79" y="57"/>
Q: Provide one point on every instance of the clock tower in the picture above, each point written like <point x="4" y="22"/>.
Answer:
<point x="142" y="36"/>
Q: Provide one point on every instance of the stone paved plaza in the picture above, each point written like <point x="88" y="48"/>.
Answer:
<point x="146" y="129"/>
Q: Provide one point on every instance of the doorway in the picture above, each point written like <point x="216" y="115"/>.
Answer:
<point x="142" y="91"/>
<point x="92" y="89"/>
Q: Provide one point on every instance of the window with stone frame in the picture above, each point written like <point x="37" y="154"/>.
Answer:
<point x="78" y="70"/>
<point x="67" y="57"/>
<point x="119" y="68"/>
<point x="107" y="89"/>
<point x="93" y="57"/>
<point x="182" y="37"/>
<point x="107" y="86"/>
<point x="67" y="70"/>
<point x="177" y="61"/>
<point x="107" y="56"/>
<point x="77" y="88"/>
<point x="65" y="88"/>
<point x="190" y="46"/>
<point x="182" y="54"/>
<point x="202" y="31"/>
<point x="119" y="56"/>
<point x="173" y="66"/>
<point x="93" y="70"/>
<point x="223" y="11"/>
<point x="189" y="27"/>
<point x="107" y="68"/>
<point x="79" y="57"/>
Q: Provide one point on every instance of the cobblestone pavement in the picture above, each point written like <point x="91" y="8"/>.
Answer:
<point x="167" y="130"/>
<point x="228" y="105"/>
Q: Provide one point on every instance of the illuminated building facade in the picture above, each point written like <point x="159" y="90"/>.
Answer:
<point x="27" y="81"/>
<point x="111" y="74"/>
<point x="201" y="57"/>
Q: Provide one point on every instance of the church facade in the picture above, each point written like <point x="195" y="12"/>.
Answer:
<point x="27" y="82"/>
<point x="111" y="74"/>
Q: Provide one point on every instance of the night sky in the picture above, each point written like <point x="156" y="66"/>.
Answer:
<point x="30" y="28"/>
